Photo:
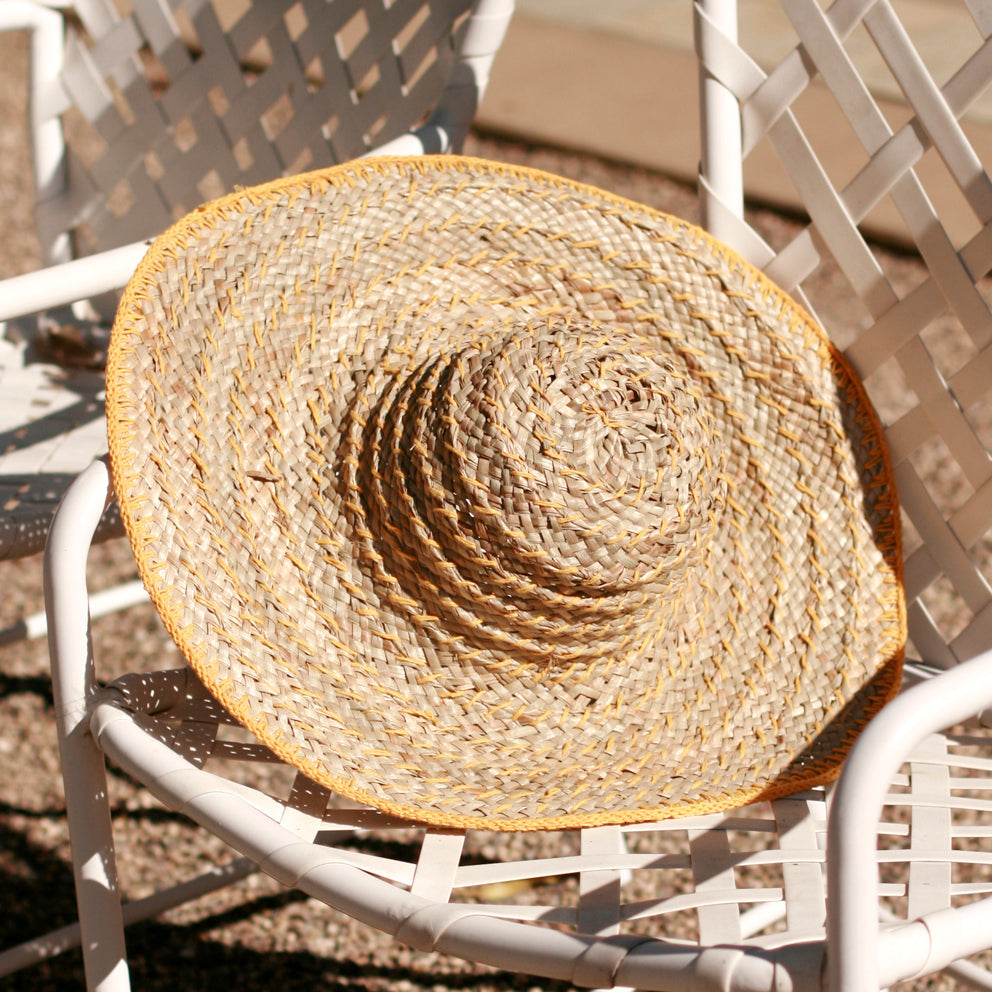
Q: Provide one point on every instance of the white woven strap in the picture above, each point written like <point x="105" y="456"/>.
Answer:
<point x="922" y="350"/>
<point x="174" y="105"/>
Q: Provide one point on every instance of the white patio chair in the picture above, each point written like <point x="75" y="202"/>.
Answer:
<point x="901" y="843"/>
<point x="137" y="117"/>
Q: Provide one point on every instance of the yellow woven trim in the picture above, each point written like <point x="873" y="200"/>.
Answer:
<point x="179" y="236"/>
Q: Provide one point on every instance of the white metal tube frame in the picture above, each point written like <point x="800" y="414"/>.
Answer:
<point x="84" y="772"/>
<point x="46" y="99"/>
<point x="860" y="956"/>
<point x="721" y="173"/>
<point x="852" y="871"/>
<point x="68" y="282"/>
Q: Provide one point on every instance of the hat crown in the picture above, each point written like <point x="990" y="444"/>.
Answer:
<point x="544" y="488"/>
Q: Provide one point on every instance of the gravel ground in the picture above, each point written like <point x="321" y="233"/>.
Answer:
<point x="255" y="935"/>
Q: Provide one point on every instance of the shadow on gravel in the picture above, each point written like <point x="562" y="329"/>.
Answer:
<point x="37" y="890"/>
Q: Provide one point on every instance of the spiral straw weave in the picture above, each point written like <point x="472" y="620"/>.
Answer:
<point x="487" y="498"/>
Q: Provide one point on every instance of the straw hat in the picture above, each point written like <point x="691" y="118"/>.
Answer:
<point x="488" y="498"/>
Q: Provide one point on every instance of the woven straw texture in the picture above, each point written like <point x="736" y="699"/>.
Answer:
<point x="490" y="499"/>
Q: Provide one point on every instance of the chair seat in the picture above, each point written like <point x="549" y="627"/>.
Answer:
<point x="52" y="426"/>
<point x="609" y="905"/>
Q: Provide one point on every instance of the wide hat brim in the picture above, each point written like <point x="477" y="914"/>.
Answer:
<point x="490" y="499"/>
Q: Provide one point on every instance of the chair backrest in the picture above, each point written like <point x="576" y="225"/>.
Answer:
<point x="856" y="79"/>
<point x="172" y="103"/>
<point x="139" y="110"/>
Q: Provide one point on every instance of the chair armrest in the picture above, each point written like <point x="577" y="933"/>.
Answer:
<point x="68" y="282"/>
<point x="66" y="599"/>
<point x="926" y="708"/>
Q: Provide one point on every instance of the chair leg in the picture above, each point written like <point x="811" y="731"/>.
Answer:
<point x="83" y="768"/>
<point x="94" y="862"/>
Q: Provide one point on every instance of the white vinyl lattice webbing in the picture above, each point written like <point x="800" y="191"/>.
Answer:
<point x="713" y="869"/>
<point x="800" y="824"/>
<point x="917" y="161"/>
<point x="183" y="101"/>
<point x="932" y="112"/>
<point x="600" y="891"/>
<point x="437" y="865"/>
<point x="930" y="830"/>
